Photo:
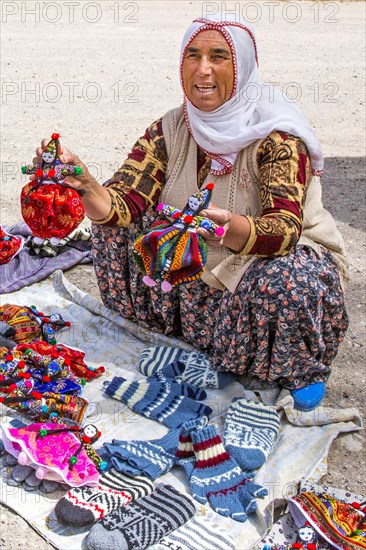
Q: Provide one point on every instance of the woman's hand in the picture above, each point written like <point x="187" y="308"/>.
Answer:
<point x="237" y="228"/>
<point x="220" y="217"/>
<point x="80" y="182"/>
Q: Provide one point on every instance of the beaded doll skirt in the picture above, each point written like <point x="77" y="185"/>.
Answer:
<point x="282" y="325"/>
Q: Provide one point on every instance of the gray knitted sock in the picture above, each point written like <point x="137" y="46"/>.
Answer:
<point x="198" y="533"/>
<point x="86" y="505"/>
<point x="142" y="523"/>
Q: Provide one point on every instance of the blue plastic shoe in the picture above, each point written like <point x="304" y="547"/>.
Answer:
<point x="308" y="398"/>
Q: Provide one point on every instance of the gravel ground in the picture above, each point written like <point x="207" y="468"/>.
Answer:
<point x="102" y="71"/>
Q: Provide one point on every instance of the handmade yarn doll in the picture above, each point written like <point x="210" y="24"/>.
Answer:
<point x="31" y="324"/>
<point x="172" y="252"/>
<point x="50" y="207"/>
<point x="57" y="451"/>
<point x="10" y="246"/>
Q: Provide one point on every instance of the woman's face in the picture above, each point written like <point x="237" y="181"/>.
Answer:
<point x="208" y="71"/>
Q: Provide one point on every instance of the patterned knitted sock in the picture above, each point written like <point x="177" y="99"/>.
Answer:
<point x="217" y="478"/>
<point x="142" y="523"/>
<point x="151" y="458"/>
<point x="196" y="366"/>
<point x="179" y="387"/>
<point x="250" y="432"/>
<point x="199" y="533"/>
<point x="86" y="505"/>
<point x="156" y="401"/>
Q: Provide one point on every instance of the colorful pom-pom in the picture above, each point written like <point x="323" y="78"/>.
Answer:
<point x="42" y="432"/>
<point x="210" y="186"/>
<point x="36" y="394"/>
<point x="103" y="465"/>
<point x="176" y="215"/>
<point x="219" y="231"/>
<point x="73" y="460"/>
<point x="78" y="170"/>
<point x="166" y="286"/>
<point x="160" y="206"/>
<point x="51" y="173"/>
<point x="188" y="219"/>
<point x="39" y="172"/>
<point x="148" y="281"/>
<point x="21" y="364"/>
<point x="44" y="409"/>
<point x="55" y="136"/>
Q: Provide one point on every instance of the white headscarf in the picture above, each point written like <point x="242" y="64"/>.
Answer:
<point x="254" y="109"/>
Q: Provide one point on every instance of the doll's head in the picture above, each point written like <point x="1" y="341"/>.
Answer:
<point x="90" y="434"/>
<point x="51" y="151"/>
<point x="306" y="533"/>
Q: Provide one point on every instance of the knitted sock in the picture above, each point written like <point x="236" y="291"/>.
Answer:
<point x="86" y="505"/>
<point x="217" y="478"/>
<point x="155" y="400"/>
<point x="179" y="387"/>
<point x="250" y="432"/>
<point x="191" y="366"/>
<point x="151" y="458"/>
<point x="199" y="533"/>
<point x="142" y="523"/>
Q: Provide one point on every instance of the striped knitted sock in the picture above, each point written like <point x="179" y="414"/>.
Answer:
<point x="199" y="533"/>
<point x="179" y="387"/>
<point x="151" y="458"/>
<point x="217" y="478"/>
<point x="142" y="523"/>
<point x="250" y="432"/>
<point x="191" y="366"/>
<point x="86" y="505"/>
<point x="157" y="401"/>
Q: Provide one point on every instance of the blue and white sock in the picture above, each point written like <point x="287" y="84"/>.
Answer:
<point x="217" y="477"/>
<point x="179" y="387"/>
<point x="250" y="432"/>
<point x="157" y="401"/>
<point x="190" y="366"/>
<point x="151" y="458"/>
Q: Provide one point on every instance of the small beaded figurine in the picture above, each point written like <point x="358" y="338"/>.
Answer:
<point x="50" y="207"/>
<point x="172" y="252"/>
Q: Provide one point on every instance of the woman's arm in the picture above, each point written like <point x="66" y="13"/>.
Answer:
<point x="285" y="173"/>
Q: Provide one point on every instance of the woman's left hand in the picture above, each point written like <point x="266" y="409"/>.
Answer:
<point x="220" y="217"/>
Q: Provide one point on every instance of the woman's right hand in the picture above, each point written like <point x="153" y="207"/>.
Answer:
<point x="80" y="182"/>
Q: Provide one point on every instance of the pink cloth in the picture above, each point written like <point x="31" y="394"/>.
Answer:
<point x="52" y="453"/>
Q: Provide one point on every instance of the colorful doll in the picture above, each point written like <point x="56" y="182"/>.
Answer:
<point x="172" y="252"/>
<point x="56" y="451"/>
<point x="50" y="207"/>
<point x="10" y="246"/>
<point x="31" y="324"/>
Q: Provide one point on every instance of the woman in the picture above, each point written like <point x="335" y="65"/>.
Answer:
<point x="269" y="304"/>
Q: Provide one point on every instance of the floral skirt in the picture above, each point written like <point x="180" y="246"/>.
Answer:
<point x="282" y="325"/>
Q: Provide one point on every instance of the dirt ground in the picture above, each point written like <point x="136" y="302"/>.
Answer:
<point x="100" y="72"/>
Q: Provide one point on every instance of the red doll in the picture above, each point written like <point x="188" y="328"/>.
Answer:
<point x="50" y="207"/>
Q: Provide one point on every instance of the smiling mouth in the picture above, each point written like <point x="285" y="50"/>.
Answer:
<point x="205" y="89"/>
